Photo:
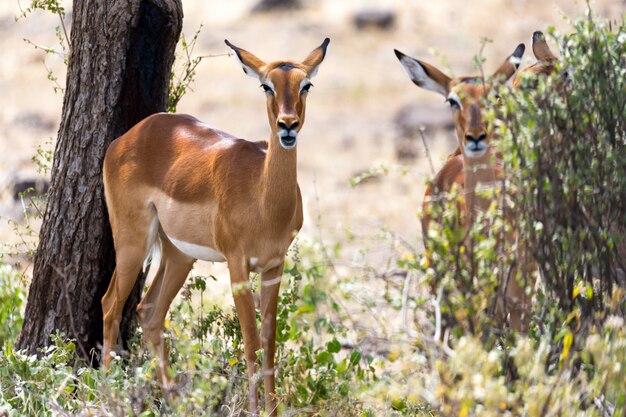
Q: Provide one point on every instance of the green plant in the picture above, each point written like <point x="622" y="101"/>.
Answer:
<point x="54" y="7"/>
<point x="12" y="297"/>
<point x="184" y="70"/>
<point x="562" y="139"/>
<point x="563" y="142"/>
<point x="316" y="373"/>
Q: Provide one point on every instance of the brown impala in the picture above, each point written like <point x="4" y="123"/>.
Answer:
<point x="195" y="192"/>
<point x="475" y="163"/>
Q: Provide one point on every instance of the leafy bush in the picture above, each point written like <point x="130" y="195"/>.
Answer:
<point x="12" y="297"/>
<point x="564" y="144"/>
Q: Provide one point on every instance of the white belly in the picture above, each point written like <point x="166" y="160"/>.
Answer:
<point x="204" y="253"/>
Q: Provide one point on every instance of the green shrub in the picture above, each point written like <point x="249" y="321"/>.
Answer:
<point x="12" y="297"/>
<point x="564" y="146"/>
<point x="316" y="375"/>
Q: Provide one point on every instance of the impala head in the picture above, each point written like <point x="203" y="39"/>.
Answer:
<point x="546" y="61"/>
<point x="466" y="95"/>
<point x="286" y="85"/>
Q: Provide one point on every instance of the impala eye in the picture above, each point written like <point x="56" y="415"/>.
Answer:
<point x="306" y="88"/>
<point x="267" y="89"/>
<point x="453" y="103"/>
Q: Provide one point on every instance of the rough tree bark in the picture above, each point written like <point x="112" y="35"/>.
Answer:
<point x="121" y="57"/>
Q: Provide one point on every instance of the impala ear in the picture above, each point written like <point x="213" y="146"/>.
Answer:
<point x="541" y="50"/>
<point x="315" y="58"/>
<point x="511" y="64"/>
<point x="251" y="65"/>
<point x="424" y="75"/>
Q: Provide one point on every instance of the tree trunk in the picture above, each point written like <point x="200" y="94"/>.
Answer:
<point x="121" y="57"/>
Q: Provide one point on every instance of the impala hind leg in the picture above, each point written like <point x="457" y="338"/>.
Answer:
<point x="129" y="261"/>
<point x="170" y="277"/>
<point x="246" y="313"/>
<point x="270" y="284"/>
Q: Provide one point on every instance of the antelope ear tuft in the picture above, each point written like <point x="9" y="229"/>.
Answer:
<point x="315" y="58"/>
<point x="541" y="50"/>
<point x="511" y="64"/>
<point x="250" y="64"/>
<point x="516" y="56"/>
<point x="424" y="75"/>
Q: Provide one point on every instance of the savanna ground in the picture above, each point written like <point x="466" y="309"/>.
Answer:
<point x="356" y="329"/>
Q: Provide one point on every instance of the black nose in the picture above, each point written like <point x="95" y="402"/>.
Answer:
<point x="480" y="137"/>
<point x="283" y="125"/>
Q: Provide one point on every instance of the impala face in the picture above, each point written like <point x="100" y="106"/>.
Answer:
<point x="467" y="99"/>
<point x="286" y="85"/>
<point x="466" y="95"/>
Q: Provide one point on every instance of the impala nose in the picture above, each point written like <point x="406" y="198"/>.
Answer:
<point x="476" y="145"/>
<point x="288" y="124"/>
<point x="476" y="139"/>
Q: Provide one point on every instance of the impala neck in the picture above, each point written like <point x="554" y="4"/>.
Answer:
<point x="479" y="172"/>
<point x="280" y="182"/>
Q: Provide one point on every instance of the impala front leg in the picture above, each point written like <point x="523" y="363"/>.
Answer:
<point x="246" y="313"/>
<point x="270" y="284"/>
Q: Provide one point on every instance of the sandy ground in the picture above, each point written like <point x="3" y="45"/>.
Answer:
<point x="358" y="91"/>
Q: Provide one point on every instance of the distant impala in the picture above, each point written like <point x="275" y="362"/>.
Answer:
<point x="195" y="192"/>
<point x="475" y="163"/>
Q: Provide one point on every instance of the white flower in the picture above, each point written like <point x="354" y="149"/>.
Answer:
<point x="615" y="322"/>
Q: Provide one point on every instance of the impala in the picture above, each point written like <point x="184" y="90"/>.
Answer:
<point x="174" y="184"/>
<point x="452" y="171"/>
<point x="474" y="164"/>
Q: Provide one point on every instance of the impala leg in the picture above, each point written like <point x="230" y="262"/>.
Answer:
<point x="246" y="313"/>
<point x="129" y="261"/>
<point x="517" y="298"/>
<point x="517" y="304"/>
<point x="270" y="285"/>
<point x="153" y="308"/>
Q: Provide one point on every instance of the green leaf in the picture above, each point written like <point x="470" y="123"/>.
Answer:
<point x="324" y="358"/>
<point x="333" y="346"/>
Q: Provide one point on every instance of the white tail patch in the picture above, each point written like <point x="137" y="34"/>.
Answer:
<point x="154" y="244"/>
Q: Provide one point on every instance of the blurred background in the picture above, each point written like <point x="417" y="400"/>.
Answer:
<point x="362" y="116"/>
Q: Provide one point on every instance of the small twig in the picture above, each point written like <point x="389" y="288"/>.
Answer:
<point x="318" y="226"/>
<point x="69" y="310"/>
<point x="430" y="160"/>
<point x="53" y="78"/>
<point x="405" y="301"/>
<point x="43" y="48"/>
<point x="444" y="345"/>
<point x="215" y="55"/>
<point x="437" y="305"/>
<point x="67" y="38"/>
<point x="546" y="405"/>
